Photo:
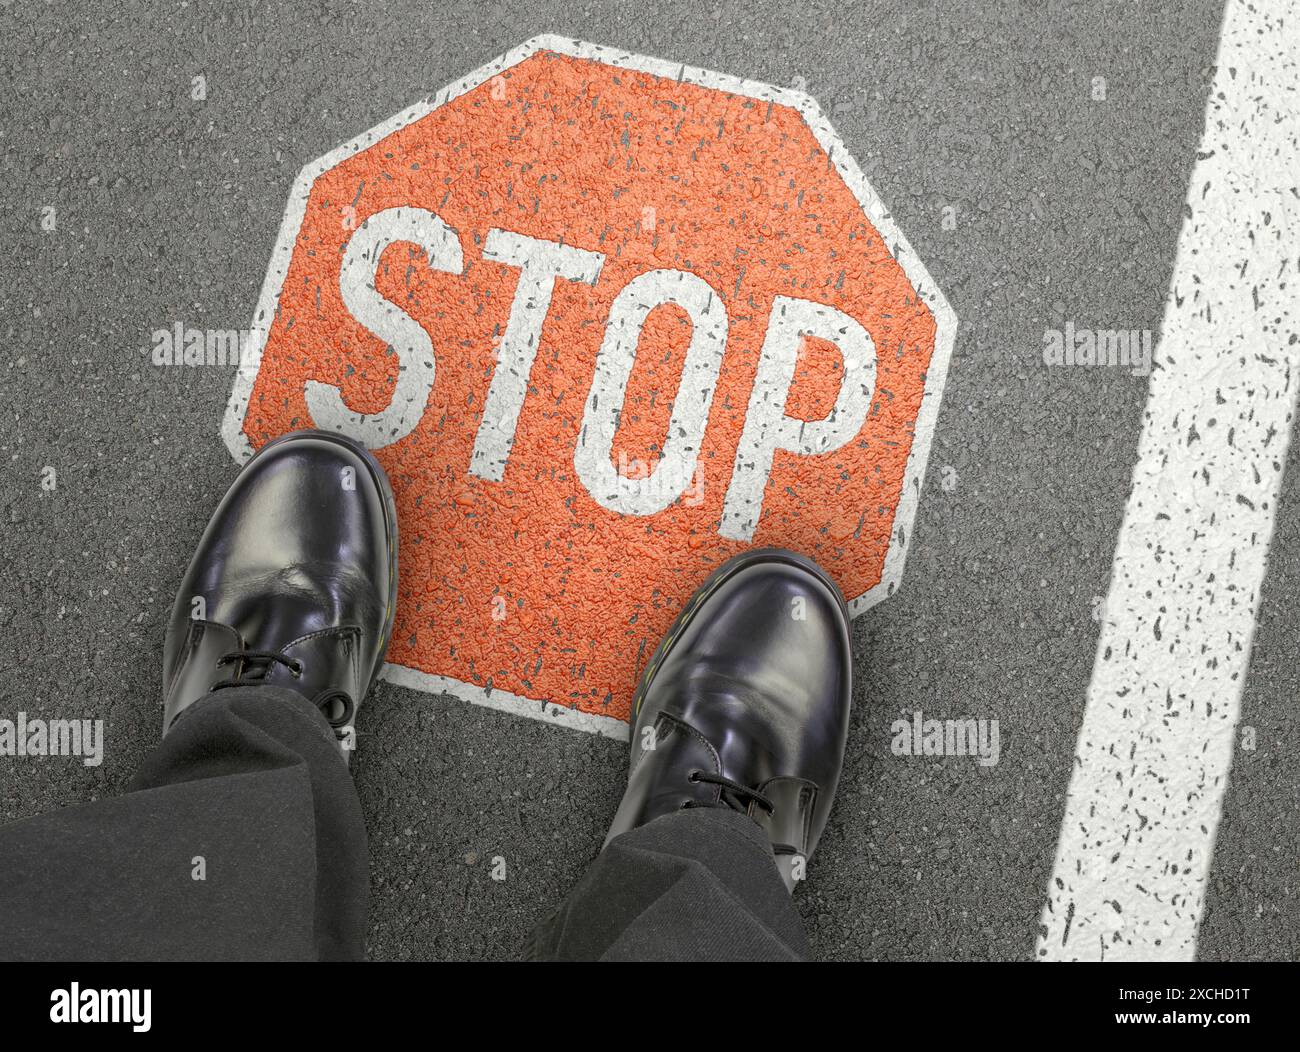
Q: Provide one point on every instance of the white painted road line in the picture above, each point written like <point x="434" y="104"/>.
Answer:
<point x="1152" y="760"/>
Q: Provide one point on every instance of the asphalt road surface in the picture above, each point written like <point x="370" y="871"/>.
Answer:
<point x="1068" y="194"/>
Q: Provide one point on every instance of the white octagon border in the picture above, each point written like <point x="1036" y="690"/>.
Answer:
<point x="945" y="323"/>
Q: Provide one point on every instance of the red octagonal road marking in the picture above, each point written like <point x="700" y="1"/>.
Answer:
<point x="606" y="321"/>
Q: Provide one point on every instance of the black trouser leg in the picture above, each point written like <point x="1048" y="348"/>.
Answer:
<point x="240" y="838"/>
<point x="698" y="884"/>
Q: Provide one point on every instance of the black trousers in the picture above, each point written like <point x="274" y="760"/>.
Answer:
<point x="248" y="792"/>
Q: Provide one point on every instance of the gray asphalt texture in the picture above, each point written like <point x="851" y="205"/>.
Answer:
<point x="1068" y="208"/>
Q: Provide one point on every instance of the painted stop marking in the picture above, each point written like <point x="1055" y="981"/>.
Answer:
<point x="606" y="321"/>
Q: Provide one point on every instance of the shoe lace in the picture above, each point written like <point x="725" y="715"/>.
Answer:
<point x="254" y="666"/>
<point x="736" y="796"/>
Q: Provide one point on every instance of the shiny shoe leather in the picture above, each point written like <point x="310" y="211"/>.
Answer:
<point x="748" y="697"/>
<point x="293" y="584"/>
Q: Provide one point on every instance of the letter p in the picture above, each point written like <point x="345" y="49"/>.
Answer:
<point x="768" y="427"/>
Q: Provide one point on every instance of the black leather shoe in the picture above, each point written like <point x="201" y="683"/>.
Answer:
<point x="294" y="582"/>
<point x="748" y="697"/>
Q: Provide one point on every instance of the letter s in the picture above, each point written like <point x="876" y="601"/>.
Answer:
<point x="404" y="335"/>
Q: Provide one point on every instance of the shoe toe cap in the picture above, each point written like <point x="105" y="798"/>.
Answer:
<point x="766" y="653"/>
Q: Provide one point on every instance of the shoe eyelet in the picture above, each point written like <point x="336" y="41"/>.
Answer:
<point x="694" y="776"/>
<point x="346" y="708"/>
<point x="296" y="670"/>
